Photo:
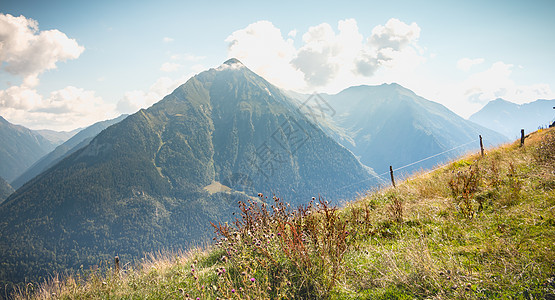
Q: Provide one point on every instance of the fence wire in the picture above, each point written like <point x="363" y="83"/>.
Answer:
<point x="382" y="180"/>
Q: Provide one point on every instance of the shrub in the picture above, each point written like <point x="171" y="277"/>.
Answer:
<point x="464" y="184"/>
<point x="300" y="250"/>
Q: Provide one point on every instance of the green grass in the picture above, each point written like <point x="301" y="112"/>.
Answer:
<point x="478" y="228"/>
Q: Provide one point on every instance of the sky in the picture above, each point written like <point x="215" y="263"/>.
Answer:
<point x="68" y="64"/>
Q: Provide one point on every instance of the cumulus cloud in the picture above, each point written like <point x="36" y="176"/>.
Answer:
<point x="391" y="45"/>
<point x="132" y="101"/>
<point x="261" y="47"/>
<point x="496" y="82"/>
<point x="326" y="57"/>
<point x="315" y="58"/>
<point x="466" y="63"/>
<point x="17" y="97"/>
<point x="169" y="67"/>
<point x="394" y="35"/>
<point x="64" y="109"/>
<point x="27" y="52"/>
<point x="324" y="52"/>
<point x="471" y="94"/>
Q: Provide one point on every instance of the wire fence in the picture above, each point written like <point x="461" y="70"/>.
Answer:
<point x="383" y="181"/>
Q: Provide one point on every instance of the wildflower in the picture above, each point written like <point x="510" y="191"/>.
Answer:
<point x="253" y="280"/>
<point x="233" y="290"/>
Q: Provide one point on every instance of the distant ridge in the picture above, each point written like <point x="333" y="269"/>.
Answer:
<point x="78" y="141"/>
<point x="509" y="118"/>
<point x="20" y="147"/>
<point x="389" y="125"/>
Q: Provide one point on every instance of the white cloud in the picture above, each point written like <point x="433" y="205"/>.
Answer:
<point x="332" y="58"/>
<point x="394" y="35"/>
<point x="471" y="94"/>
<point x="393" y="45"/>
<point x="18" y="97"/>
<point x="27" y="52"/>
<point x="167" y="39"/>
<point x="496" y="82"/>
<point x="466" y="63"/>
<point x="292" y="33"/>
<point x="324" y="52"/>
<point x="261" y="47"/>
<point x="64" y="109"/>
<point x="327" y="60"/>
<point x="132" y="101"/>
<point x="169" y="67"/>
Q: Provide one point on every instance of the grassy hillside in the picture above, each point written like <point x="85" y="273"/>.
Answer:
<point x="478" y="228"/>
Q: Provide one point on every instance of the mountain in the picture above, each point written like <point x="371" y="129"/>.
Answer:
<point x="156" y="179"/>
<point x="57" y="137"/>
<point x="73" y="144"/>
<point x="509" y="118"/>
<point x="20" y="147"/>
<point x="389" y="125"/>
<point x="5" y="189"/>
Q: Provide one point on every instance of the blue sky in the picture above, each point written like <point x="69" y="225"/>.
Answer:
<point x="88" y="61"/>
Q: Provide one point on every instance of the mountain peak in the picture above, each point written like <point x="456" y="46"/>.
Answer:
<point x="232" y="61"/>
<point x="231" y="64"/>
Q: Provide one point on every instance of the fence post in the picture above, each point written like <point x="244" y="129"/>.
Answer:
<point x="521" y="137"/>
<point x="116" y="260"/>
<point x="481" y="146"/>
<point x="391" y="173"/>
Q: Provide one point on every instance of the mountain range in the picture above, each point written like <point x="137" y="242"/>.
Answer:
<point x="20" y="147"/>
<point x="509" y="118"/>
<point x="76" y="142"/>
<point x="157" y="178"/>
<point x="57" y="137"/>
<point x="389" y="125"/>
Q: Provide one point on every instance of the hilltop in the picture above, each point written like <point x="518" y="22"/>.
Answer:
<point x="476" y="228"/>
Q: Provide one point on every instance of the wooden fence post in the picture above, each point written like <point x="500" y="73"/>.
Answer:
<point x="391" y="173"/>
<point x="481" y="146"/>
<point x="116" y="260"/>
<point x="521" y="137"/>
